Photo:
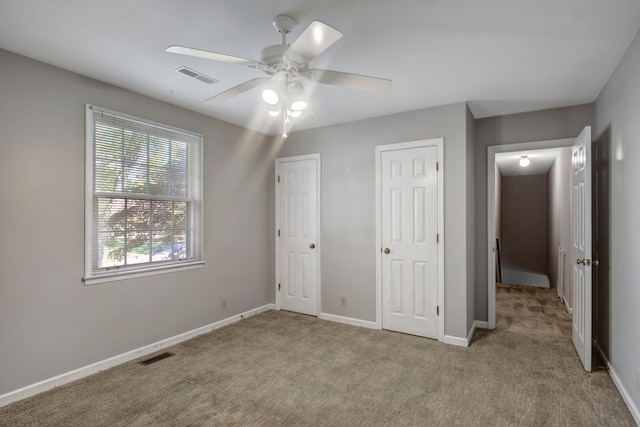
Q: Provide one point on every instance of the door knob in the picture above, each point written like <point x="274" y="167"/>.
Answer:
<point x="387" y="250"/>
<point x="596" y="262"/>
<point x="580" y="261"/>
<point x="312" y="246"/>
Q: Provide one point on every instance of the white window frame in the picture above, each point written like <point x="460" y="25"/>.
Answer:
<point x="130" y="271"/>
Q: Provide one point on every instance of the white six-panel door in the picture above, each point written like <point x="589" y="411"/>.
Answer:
<point x="582" y="292"/>
<point x="297" y="232"/>
<point x="409" y="240"/>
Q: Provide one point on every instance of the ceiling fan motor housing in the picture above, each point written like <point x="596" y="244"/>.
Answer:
<point x="275" y="60"/>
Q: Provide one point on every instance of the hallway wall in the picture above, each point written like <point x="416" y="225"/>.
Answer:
<point x="524" y="222"/>
<point x="559" y="217"/>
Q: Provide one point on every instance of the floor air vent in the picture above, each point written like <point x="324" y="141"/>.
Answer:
<point x="196" y="75"/>
<point x="157" y="358"/>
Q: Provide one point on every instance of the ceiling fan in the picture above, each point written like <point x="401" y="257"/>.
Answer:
<point x="285" y="64"/>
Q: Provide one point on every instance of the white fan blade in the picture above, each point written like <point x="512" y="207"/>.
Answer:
<point x="211" y="55"/>
<point x="355" y="81"/>
<point x="315" y="39"/>
<point x="237" y="90"/>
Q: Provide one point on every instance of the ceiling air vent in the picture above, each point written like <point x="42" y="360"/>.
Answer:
<point x="196" y="75"/>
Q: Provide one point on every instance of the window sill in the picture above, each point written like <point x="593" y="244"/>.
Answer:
<point x="124" y="275"/>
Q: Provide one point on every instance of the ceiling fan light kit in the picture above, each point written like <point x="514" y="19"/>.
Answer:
<point x="286" y="65"/>
<point x="297" y="97"/>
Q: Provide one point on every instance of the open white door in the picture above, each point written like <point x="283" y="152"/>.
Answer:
<point x="582" y="292"/>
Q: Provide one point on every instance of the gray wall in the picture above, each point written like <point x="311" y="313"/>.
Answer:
<point x="618" y="107"/>
<point x="50" y="323"/>
<point x="348" y="206"/>
<point x="524" y="222"/>
<point x="559" y="217"/>
<point x="525" y="127"/>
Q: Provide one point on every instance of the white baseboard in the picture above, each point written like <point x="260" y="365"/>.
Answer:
<point x="460" y="342"/>
<point x="76" y="374"/>
<point x="349" y="320"/>
<point x="464" y="342"/>
<point x="621" y="388"/>
<point x="477" y="324"/>
<point x="470" y="334"/>
<point x="481" y="324"/>
<point x="567" y="306"/>
<point x="625" y="394"/>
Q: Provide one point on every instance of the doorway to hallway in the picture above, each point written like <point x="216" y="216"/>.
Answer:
<point x="581" y="232"/>
<point x="517" y="225"/>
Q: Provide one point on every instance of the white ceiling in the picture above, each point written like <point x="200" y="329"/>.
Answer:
<point x="540" y="161"/>
<point x="502" y="56"/>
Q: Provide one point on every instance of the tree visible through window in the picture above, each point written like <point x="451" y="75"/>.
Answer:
<point x="145" y="194"/>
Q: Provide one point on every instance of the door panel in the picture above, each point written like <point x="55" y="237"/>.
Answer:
<point x="582" y="292"/>
<point x="409" y="209"/>
<point x="298" y="235"/>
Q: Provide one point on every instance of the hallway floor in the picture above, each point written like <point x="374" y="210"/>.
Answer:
<point x="531" y="309"/>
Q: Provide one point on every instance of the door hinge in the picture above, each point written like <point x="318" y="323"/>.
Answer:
<point x="278" y="178"/>
<point x="437" y="237"/>
<point x="437" y="310"/>
<point x="437" y="166"/>
<point x="278" y="232"/>
<point x="278" y="286"/>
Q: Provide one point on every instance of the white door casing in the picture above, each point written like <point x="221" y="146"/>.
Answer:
<point x="410" y="232"/>
<point x="298" y="234"/>
<point x="581" y="219"/>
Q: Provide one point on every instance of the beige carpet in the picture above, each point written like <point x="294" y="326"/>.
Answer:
<point x="285" y="369"/>
<point x="531" y="309"/>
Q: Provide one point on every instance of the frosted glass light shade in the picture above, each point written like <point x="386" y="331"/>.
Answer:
<point x="270" y="96"/>
<point x="297" y="97"/>
<point x="299" y="105"/>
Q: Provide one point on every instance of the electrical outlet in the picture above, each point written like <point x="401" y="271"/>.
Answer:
<point x="223" y="303"/>
<point x="343" y="301"/>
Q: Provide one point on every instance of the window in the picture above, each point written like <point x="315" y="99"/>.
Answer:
<point x="144" y="197"/>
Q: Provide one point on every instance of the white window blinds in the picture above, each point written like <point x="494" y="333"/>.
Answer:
<point x="144" y="195"/>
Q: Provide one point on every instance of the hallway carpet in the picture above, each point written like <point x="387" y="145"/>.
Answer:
<point x="285" y="369"/>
